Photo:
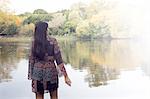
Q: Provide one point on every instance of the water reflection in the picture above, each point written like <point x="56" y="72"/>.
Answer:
<point x="10" y="55"/>
<point x="83" y="54"/>
<point x="103" y="60"/>
<point x="99" y="75"/>
<point x="90" y="55"/>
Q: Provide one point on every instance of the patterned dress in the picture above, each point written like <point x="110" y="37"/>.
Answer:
<point x="44" y="74"/>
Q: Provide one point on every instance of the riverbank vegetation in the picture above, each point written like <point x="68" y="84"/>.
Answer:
<point x="85" y="21"/>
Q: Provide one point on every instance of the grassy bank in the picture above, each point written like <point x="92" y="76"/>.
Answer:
<point x="28" y="39"/>
<point x="15" y="39"/>
<point x="62" y="38"/>
<point x="59" y="38"/>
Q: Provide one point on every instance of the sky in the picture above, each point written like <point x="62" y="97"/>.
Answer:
<point x="20" y="6"/>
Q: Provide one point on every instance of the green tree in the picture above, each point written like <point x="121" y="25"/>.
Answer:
<point x="37" y="17"/>
<point x="10" y="29"/>
<point x="39" y="11"/>
<point x="26" y="14"/>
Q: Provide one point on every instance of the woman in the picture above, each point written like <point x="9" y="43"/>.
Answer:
<point x="45" y="53"/>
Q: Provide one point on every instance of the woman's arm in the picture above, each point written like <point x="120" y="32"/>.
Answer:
<point x="60" y="63"/>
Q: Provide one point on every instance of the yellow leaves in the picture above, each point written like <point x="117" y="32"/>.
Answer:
<point x="18" y="21"/>
<point x="2" y="15"/>
<point x="8" y="18"/>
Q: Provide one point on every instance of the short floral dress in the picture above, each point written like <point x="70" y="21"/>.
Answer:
<point x="44" y="74"/>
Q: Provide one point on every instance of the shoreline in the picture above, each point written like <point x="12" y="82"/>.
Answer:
<point x="59" y="38"/>
<point x="29" y="39"/>
<point x="15" y="39"/>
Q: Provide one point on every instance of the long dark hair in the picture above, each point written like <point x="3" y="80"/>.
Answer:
<point x="40" y="40"/>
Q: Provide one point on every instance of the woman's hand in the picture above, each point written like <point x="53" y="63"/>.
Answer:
<point x="67" y="80"/>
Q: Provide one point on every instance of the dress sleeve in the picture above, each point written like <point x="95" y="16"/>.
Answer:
<point x="58" y="58"/>
<point x="31" y="63"/>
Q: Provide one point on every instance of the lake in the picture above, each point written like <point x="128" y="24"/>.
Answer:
<point x="104" y="69"/>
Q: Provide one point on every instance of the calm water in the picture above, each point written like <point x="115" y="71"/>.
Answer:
<point x="118" y="69"/>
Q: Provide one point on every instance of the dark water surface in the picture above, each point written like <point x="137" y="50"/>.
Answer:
<point x="118" y="69"/>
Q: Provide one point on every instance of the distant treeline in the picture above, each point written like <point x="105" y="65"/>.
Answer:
<point x="81" y="20"/>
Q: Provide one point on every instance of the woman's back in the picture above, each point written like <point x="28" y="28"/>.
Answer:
<point x="42" y="70"/>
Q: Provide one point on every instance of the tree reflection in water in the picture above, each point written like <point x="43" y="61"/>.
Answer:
<point x="10" y="54"/>
<point x="99" y="75"/>
<point x="90" y="55"/>
<point x="101" y="59"/>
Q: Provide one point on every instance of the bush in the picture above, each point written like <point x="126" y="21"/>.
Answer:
<point x="26" y="30"/>
<point x="10" y="29"/>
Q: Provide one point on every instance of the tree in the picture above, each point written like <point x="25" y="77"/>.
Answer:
<point x="26" y="30"/>
<point x="10" y="29"/>
<point x="8" y="23"/>
<point x="34" y="18"/>
<point x="39" y="11"/>
<point x="81" y="9"/>
<point x="26" y="14"/>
